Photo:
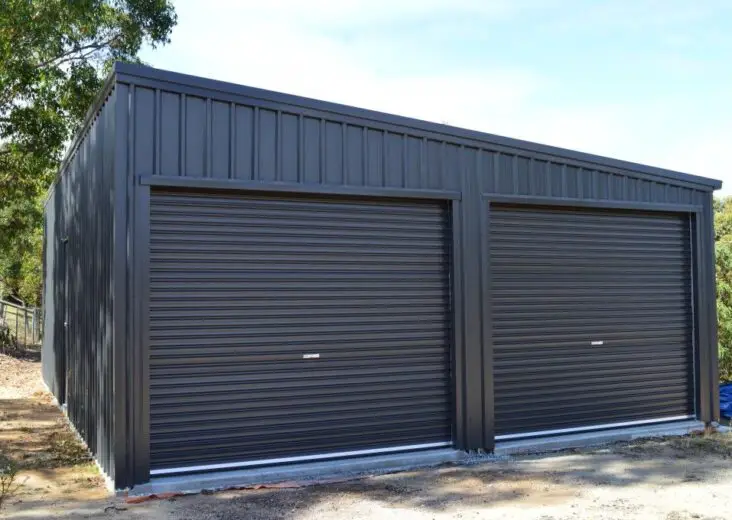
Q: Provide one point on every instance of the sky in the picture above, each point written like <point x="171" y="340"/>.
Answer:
<point x="641" y="80"/>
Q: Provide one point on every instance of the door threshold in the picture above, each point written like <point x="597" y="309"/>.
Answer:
<point x="596" y="437"/>
<point x="304" y="473"/>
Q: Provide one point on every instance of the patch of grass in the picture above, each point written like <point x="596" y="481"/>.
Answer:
<point x="19" y="351"/>
<point x="58" y="449"/>
<point x="9" y="484"/>
<point x="87" y="470"/>
<point x="87" y="475"/>
<point x="693" y="446"/>
<point x="65" y="449"/>
<point x="715" y="444"/>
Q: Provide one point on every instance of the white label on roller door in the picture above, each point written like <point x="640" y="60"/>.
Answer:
<point x="597" y="342"/>
<point x="311" y="356"/>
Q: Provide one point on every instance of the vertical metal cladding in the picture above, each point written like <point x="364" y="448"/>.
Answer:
<point x="210" y="133"/>
<point x="77" y="358"/>
<point x="293" y="327"/>
<point x="252" y="143"/>
<point x="52" y="355"/>
<point x="202" y="134"/>
<point x="592" y="317"/>
<point x="185" y="128"/>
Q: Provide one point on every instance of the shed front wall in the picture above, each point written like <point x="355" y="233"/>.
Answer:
<point x="188" y="132"/>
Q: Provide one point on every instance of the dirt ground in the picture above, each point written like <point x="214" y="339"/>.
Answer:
<point x="671" y="479"/>
<point x="54" y="466"/>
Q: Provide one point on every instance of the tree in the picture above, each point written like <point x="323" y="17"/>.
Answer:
<point x="23" y="183"/>
<point x="54" y="55"/>
<point x="723" y="253"/>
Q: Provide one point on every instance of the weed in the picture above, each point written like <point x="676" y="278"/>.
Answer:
<point x="691" y="446"/>
<point x="65" y="449"/>
<point x="9" y="484"/>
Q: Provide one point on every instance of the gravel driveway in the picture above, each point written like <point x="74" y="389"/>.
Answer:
<point x="674" y="479"/>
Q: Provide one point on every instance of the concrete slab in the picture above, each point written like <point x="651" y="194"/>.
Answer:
<point x="581" y="440"/>
<point x="303" y="472"/>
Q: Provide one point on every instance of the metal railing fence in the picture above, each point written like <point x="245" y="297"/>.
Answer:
<point x="24" y="323"/>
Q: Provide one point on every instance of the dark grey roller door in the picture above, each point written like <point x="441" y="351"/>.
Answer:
<point x="295" y="327"/>
<point x="591" y="317"/>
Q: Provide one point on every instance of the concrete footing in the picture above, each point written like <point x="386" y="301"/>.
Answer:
<point x="581" y="440"/>
<point x="303" y="472"/>
<point x="359" y="467"/>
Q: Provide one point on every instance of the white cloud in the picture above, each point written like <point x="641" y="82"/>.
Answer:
<point x="280" y="53"/>
<point x="358" y="12"/>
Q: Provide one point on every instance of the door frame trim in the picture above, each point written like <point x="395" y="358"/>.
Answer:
<point x="293" y="188"/>
<point x="492" y="198"/>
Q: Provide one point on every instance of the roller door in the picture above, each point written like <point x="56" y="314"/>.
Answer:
<point x="592" y="318"/>
<point x="287" y="329"/>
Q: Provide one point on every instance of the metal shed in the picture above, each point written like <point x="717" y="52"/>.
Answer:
<point x="236" y="277"/>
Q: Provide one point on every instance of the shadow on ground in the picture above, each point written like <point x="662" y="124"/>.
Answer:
<point x="28" y="352"/>
<point x="531" y="483"/>
<point x="35" y="435"/>
<point x="53" y="465"/>
<point x="62" y="483"/>
<point x="538" y="481"/>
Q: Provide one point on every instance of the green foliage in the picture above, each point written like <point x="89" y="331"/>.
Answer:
<point x="54" y="55"/>
<point x="723" y="251"/>
<point x="53" y="58"/>
<point x="8" y="479"/>
<point x="21" y="220"/>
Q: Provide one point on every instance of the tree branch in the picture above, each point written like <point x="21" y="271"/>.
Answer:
<point x="77" y="53"/>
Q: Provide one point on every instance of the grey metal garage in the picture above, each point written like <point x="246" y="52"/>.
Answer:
<point x="240" y="278"/>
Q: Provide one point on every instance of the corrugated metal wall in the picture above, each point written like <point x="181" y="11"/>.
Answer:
<point x="211" y="136"/>
<point x="79" y="248"/>
<point x="592" y="317"/>
<point x="52" y="355"/>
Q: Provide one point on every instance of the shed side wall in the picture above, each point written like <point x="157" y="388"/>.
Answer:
<point x="52" y="354"/>
<point x="78" y="274"/>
